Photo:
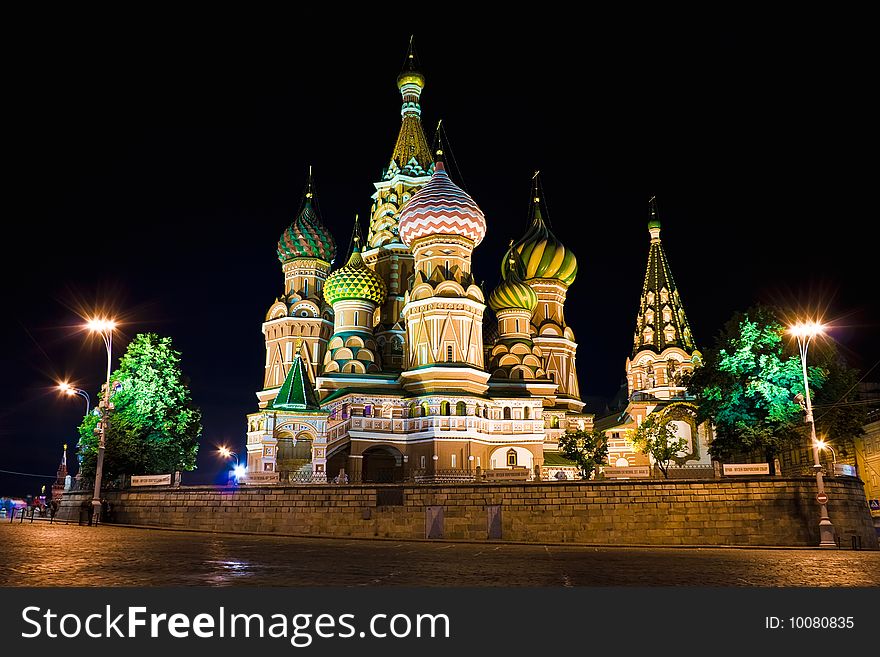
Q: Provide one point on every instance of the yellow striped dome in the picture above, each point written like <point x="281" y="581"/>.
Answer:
<point x="512" y="292"/>
<point x="543" y="254"/>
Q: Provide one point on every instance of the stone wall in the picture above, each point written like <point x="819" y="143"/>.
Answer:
<point x="748" y="511"/>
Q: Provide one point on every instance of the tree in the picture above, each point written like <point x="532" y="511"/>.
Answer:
<point x="747" y="387"/>
<point x="588" y="449"/>
<point x="657" y="438"/>
<point x="154" y="427"/>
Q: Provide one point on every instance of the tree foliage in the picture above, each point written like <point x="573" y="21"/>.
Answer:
<point x="154" y="427"/>
<point x="747" y="386"/>
<point x="588" y="449"/>
<point x="657" y="438"/>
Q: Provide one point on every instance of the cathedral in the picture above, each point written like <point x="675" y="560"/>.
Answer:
<point x="397" y="365"/>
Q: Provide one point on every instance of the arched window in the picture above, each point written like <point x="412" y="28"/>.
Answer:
<point x="507" y="412"/>
<point x="368" y="410"/>
<point x="357" y="318"/>
<point x="511" y="457"/>
<point x="306" y="288"/>
<point x="552" y="376"/>
<point x="527" y="413"/>
<point x="425" y="409"/>
<point x="461" y="408"/>
<point x="413" y="410"/>
<point x="554" y="422"/>
<point x="444" y="408"/>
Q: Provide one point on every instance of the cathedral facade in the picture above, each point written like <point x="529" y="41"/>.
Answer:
<point x="390" y="367"/>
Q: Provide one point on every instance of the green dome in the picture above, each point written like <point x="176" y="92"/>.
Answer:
<point x="543" y="255"/>
<point x="306" y="237"/>
<point x="654" y="223"/>
<point x="513" y="292"/>
<point x="354" y="280"/>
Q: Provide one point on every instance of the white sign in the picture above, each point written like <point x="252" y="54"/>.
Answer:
<point x="259" y="478"/>
<point x="512" y="474"/>
<point x="628" y="473"/>
<point x="746" y="469"/>
<point x="844" y="470"/>
<point x="151" y="480"/>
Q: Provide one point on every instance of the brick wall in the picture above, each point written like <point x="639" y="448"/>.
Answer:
<point x="759" y="511"/>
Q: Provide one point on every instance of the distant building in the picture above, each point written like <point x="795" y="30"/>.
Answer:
<point x="663" y="354"/>
<point x="390" y="366"/>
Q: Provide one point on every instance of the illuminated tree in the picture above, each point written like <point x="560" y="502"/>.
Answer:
<point x="657" y="438"/>
<point x="154" y="427"/>
<point x="747" y="387"/>
<point x="588" y="449"/>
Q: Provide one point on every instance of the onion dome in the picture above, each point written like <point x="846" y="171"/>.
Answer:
<point x="355" y="280"/>
<point x="513" y="292"/>
<point x="441" y="208"/>
<point x="542" y="253"/>
<point x="307" y="236"/>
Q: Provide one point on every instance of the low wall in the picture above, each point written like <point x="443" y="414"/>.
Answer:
<point x="749" y="511"/>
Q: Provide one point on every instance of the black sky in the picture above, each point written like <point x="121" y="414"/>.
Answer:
<point x="153" y="173"/>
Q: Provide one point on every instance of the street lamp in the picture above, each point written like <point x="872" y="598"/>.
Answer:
<point x="65" y="388"/>
<point x="105" y="328"/>
<point x="805" y="332"/>
<point x="238" y="470"/>
<point x="821" y="444"/>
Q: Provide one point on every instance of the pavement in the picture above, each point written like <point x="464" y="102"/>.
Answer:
<point x="42" y="554"/>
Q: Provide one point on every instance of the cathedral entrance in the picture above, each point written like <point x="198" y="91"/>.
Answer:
<point x="294" y="453"/>
<point x="382" y="465"/>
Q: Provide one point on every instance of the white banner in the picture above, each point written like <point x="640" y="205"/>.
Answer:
<point x="151" y="480"/>
<point x="634" y="472"/>
<point x="513" y="474"/>
<point x="746" y="469"/>
<point x="259" y="478"/>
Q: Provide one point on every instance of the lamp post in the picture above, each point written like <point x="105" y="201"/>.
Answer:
<point x="71" y="391"/>
<point x="226" y="453"/>
<point x="805" y="332"/>
<point x="105" y="328"/>
<point x="821" y="444"/>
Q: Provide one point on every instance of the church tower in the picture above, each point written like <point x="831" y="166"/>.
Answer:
<point x="444" y="311"/>
<point x="514" y="355"/>
<point x="306" y="251"/>
<point x="354" y="291"/>
<point x="550" y="268"/>
<point x="663" y="347"/>
<point x="409" y="168"/>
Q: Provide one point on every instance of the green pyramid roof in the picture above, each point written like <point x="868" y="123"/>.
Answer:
<point x="658" y="294"/>
<point x="296" y="393"/>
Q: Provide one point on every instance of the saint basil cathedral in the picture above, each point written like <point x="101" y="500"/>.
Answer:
<point x="389" y="367"/>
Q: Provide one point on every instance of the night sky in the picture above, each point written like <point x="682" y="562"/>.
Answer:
<point x="153" y="173"/>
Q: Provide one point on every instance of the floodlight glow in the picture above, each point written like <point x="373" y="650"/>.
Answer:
<point x="806" y="329"/>
<point x="224" y="452"/>
<point x="239" y="471"/>
<point x="101" y="325"/>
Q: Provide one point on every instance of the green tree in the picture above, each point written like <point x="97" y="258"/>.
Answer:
<point x="154" y="427"/>
<point x="747" y="387"/>
<point x="588" y="449"/>
<point x="657" y="438"/>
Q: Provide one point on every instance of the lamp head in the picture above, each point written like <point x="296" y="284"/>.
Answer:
<point x="224" y="452"/>
<point x="239" y="471"/>
<point x="64" y="387"/>
<point x="101" y="325"/>
<point x="821" y="444"/>
<point x="806" y="329"/>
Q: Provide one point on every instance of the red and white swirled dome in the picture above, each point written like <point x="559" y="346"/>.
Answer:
<point x="441" y="208"/>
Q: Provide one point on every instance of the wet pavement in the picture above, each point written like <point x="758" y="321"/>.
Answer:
<point x="41" y="554"/>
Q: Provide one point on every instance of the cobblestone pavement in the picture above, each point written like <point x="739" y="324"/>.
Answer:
<point x="69" y="555"/>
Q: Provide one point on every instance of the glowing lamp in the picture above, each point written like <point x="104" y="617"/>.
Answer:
<point x="239" y="471"/>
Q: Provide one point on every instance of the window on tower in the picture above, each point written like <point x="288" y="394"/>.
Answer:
<point x="511" y="457"/>
<point x="449" y="353"/>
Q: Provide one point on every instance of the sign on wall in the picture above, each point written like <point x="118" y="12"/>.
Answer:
<point x="259" y="478"/>
<point x="632" y="472"/>
<point x="746" y="469"/>
<point x="844" y="470"/>
<point x="151" y="480"/>
<point x="513" y="474"/>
